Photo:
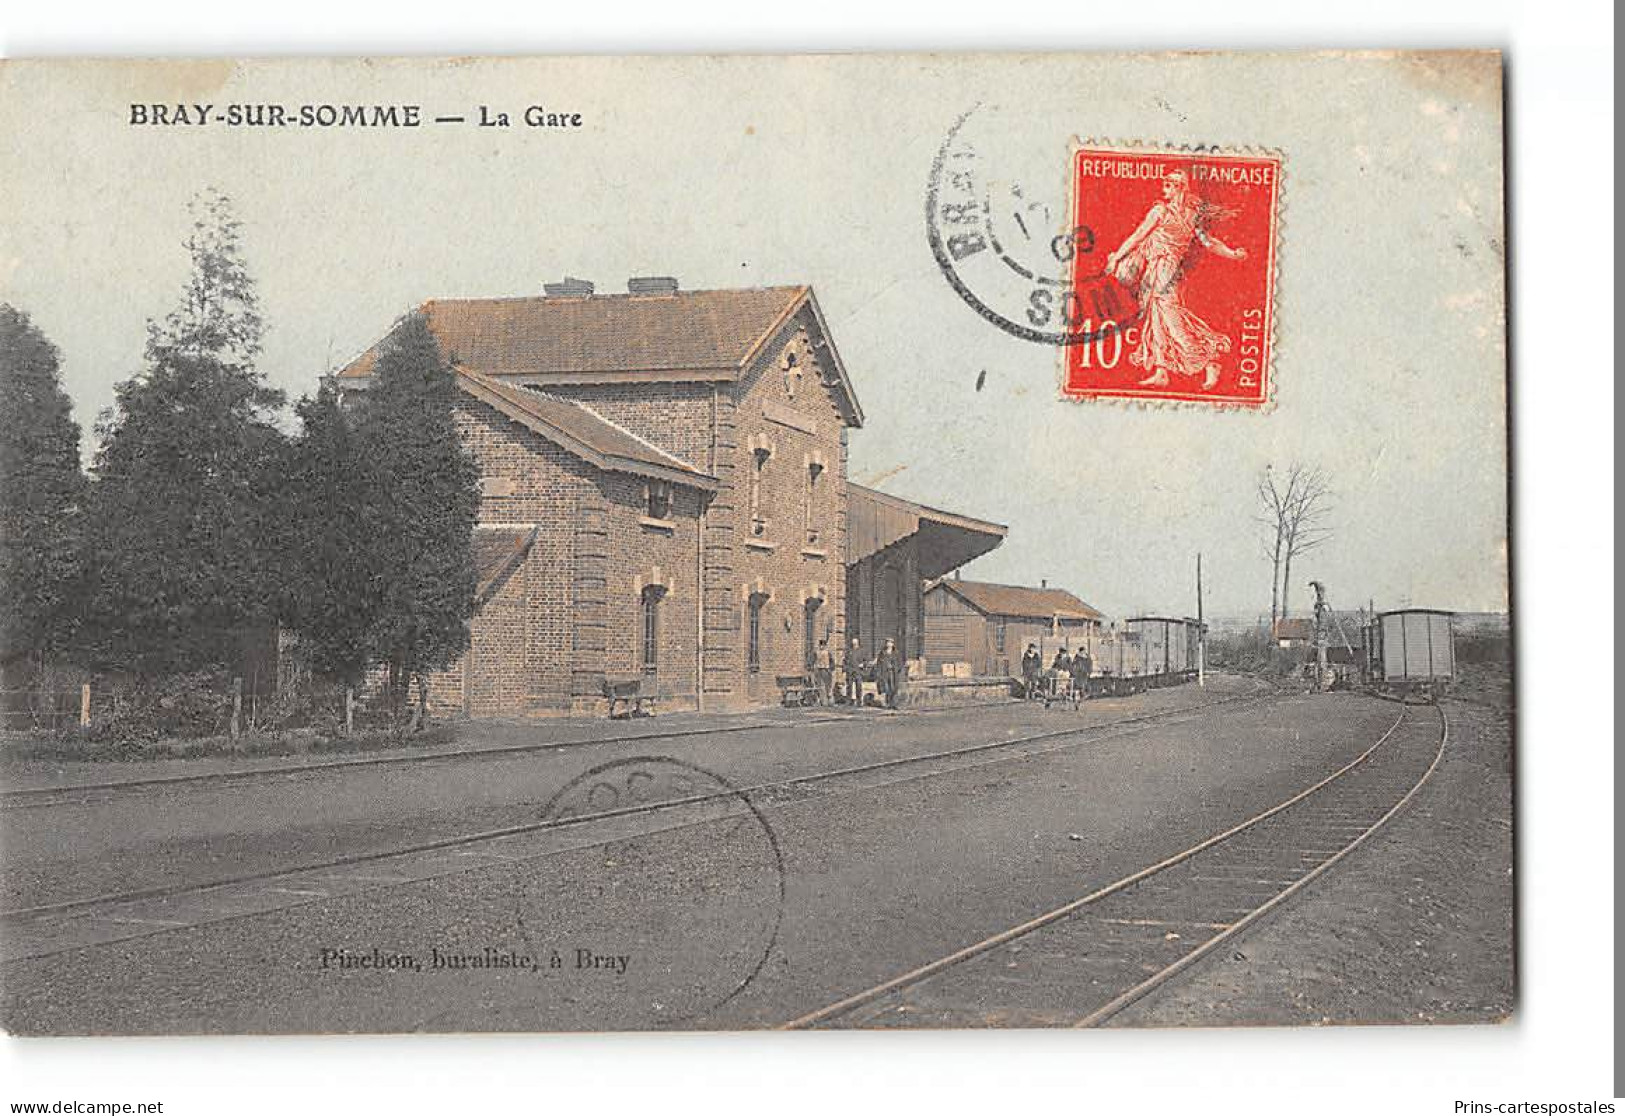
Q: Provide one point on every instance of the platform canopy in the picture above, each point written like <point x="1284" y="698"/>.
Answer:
<point x="945" y="540"/>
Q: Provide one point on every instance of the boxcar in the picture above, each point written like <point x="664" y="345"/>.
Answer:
<point x="1170" y="647"/>
<point x="1119" y="660"/>
<point x="1412" y="649"/>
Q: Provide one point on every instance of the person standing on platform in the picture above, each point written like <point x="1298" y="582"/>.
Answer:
<point x="824" y="673"/>
<point x="888" y="674"/>
<point x="852" y="672"/>
<point x="1082" y="667"/>
<point x="1032" y="665"/>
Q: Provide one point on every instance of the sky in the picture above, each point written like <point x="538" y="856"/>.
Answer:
<point x="751" y="171"/>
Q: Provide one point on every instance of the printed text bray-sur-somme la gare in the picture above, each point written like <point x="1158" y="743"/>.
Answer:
<point x="329" y="115"/>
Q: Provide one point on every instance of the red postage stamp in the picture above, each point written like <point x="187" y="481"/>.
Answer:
<point x="1173" y="275"/>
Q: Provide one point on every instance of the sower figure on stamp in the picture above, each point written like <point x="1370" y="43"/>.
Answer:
<point x="888" y="674"/>
<point x="1172" y="339"/>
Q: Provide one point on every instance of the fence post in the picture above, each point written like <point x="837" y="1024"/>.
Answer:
<point x="84" y="706"/>
<point x="236" y="707"/>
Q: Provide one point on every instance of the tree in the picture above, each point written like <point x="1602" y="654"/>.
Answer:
<point x="41" y="494"/>
<point x="1293" y="518"/>
<point x="181" y="508"/>
<point x="218" y="317"/>
<point x="425" y="501"/>
<point x="332" y="559"/>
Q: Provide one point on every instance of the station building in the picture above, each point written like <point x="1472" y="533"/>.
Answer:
<point x="664" y="495"/>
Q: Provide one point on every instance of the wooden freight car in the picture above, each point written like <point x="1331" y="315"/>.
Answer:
<point x="1411" y="651"/>
<point x="1172" y="644"/>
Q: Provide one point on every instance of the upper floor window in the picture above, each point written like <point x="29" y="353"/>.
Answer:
<point x="758" y="521"/>
<point x="659" y="500"/>
<point x="815" y="470"/>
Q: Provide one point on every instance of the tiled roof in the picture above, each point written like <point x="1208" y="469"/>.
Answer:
<point x="497" y="551"/>
<point x="1021" y="600"/>
<point x="582" y="431"/>
<point x="687" y="332"/>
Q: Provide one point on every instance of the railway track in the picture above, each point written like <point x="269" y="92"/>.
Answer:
<point x="89" y="793"/>
<point x="85" y="793"/>
<point x="45" y="929"/>
<point x="1082" y="963"/>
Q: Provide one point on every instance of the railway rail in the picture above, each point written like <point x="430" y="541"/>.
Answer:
<point x="81" y="793"/>
<point x="86" y="793"/>
<point x="49" y="928"/>
<point x="1082" y="963"/>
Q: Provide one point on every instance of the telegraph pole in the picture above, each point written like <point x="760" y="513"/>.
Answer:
<point x="1201" y="628"/>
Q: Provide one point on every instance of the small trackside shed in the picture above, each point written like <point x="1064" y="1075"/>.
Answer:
<point x="989" y="625"/>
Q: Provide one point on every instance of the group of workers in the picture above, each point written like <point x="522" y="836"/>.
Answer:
<point x="1073" y="668"/>
<point x="885" y="671"/>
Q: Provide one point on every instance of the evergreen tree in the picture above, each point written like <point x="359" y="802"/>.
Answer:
<point x="425" y="501"/>
<point x="332" y="557"/>
<point x="41" y="489"/>
<point x="218" y="317"/>
<point x="182" y="507"/>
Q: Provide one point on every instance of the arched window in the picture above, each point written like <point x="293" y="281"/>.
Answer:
<point x="809" y="632"/>
<point x="758" y="520"/>
<point x="649" y="628"/>
<point x="815" y="469"/>
<point x="753" y="632"/>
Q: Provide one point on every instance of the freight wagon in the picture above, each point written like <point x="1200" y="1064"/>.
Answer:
<point x="1172" y="646"/>
<point x="1411" y="650"/>
<point x="1145" y="651"/>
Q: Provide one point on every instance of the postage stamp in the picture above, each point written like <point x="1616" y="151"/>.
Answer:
<point x="1173" y="275"/>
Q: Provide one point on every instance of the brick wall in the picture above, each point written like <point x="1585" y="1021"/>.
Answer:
<point x="643" y="555"/>
<point x="675" y="417"/>
<point x="571" y="613"/>
<point x="781" y="559"/>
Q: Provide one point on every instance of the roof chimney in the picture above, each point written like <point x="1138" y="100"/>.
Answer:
<point x="569" y="288"/>
<point x="651" y="285"/>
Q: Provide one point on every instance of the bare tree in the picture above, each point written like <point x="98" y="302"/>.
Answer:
<point x="1294" y="510"/>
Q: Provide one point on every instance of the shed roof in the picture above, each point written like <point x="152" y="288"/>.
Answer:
<point x="946" y="540"/>
<point x="992" y="599"/>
